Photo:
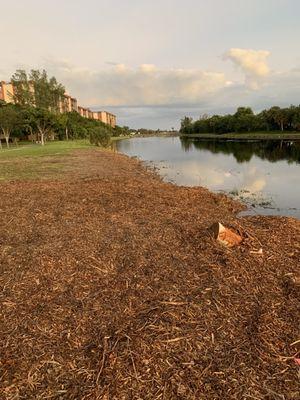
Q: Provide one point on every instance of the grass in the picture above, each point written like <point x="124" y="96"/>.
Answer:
<point x="33" y="161"/>
<point x="36" y="150"/>
<point x="248" y="135"/>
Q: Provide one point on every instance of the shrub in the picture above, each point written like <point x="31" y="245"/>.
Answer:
<point x="100" y="136"/>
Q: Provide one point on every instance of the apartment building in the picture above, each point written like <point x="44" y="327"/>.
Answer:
<point x="6" y="92"/>
<point x="67" y="104"/>
<point x="105" y="117"/>
<point x="84" y="112"/>
<point x="81" y="111"/>
<point x="73" y="106"/>
<point x="96" y="115"/>
<point x="63" y="105"/>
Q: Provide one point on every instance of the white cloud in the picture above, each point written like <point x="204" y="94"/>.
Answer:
<point x="118" y="85"/>
<point x="147" y="85"/>
<point x="148" y="96"/>
<point x="252" y="62"/>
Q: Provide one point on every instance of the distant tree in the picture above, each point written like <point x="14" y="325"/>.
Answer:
<point x="244" y="120"/>
<point x="295" y="118"/>
<point x="119" y="130"/>
<point x="186" y="125"/>
<point x="204" y="117"/>
<point x="242" y="111"/>
<point x="279" y="116"/>
<point x="263" y="121"/>
<point x="9" y="119"/>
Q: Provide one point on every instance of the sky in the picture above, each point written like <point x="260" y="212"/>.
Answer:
<point x="153" y="62"/>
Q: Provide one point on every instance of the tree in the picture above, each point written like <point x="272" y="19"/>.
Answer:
<point x="213" y="124"/>
<point x="242" y="111"/>
<point x="57" y="92"/>
<point x="244" y="120"/>
<point x="186" y="125"/>
<point x="64" y="123"/>
<point x="47" y="92"/>
<point x="9" y="119"/>
<point x="295" y="118"/>
<point x="100" y="136"/>
<point x="279" y="116"/>
<point x="23" y="89"/>
<point x="37" y="90"/>
<point x="75" y="126"/>
<point x="43" y="121"/>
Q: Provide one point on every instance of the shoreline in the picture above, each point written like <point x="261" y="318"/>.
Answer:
<point x="113" y="287"/>
<point x="245" y="136"/>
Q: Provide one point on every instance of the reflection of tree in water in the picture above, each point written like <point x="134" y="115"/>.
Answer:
<point x="186" y="144"/>
<point x="271" y="150"/>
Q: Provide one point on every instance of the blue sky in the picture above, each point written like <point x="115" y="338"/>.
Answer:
<point x="154" y="62"/>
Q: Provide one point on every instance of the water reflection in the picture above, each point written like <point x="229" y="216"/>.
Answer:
<point x="271" y="150"/>
<point x="264" y="174"/>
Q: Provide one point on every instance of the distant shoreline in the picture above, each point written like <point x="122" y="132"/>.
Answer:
<point x="245" y="136"/>
<point x="169" y="134"/>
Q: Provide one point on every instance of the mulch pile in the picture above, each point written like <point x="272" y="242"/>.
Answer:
<point x="113" y="289"/>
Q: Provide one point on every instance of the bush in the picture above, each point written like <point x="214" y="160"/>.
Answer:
<point x="100" y="136"/>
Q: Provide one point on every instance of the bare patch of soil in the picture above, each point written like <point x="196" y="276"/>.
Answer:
<point x="111" y="288"/>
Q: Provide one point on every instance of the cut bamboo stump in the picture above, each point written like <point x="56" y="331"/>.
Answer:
<point x="225" y="236"/>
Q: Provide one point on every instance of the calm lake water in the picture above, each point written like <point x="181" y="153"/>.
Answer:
<point x="263" y="174"/>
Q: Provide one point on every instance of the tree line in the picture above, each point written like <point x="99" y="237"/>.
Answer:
<point x="245" y="120"/>
<point x="34" y="113"/>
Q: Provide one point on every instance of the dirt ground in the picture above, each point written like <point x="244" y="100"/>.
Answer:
<point x="113" y="289"/>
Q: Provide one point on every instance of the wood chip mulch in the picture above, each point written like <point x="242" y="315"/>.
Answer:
<point x="112" y="288"/>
